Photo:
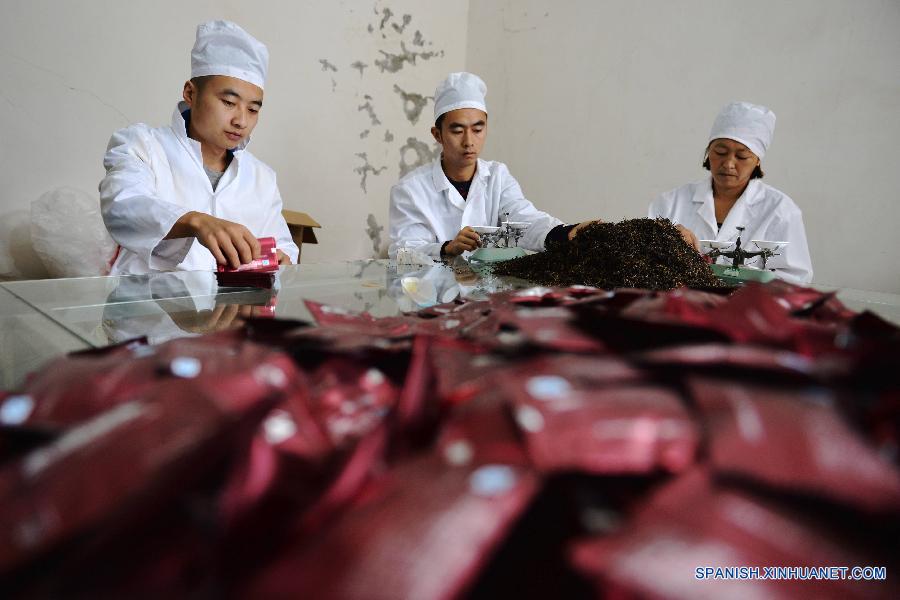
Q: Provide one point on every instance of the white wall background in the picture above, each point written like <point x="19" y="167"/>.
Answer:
<point x="73" y="72"/>
<point x="596" y="106"/>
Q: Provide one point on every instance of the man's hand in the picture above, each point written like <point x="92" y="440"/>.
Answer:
<point x="230" y="243"/>
<point x="283" y="259"/>
<point x="689" y="237"/>
<point x="465" y="240"/>
<point x="574" y="231"/>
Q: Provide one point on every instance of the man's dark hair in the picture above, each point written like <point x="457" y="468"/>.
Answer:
<point x="200" y="82"/>
<point x="439" y="121"/>
<point x="757" y="172"/>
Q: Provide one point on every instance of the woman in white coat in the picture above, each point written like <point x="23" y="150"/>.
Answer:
<point x="734" y="195"/>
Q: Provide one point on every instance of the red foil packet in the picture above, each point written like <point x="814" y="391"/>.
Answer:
<point x="476" y="323"/>
<point x="795" y="440"/>
<point x="591" y="415"/>
<point x="266" y="263"/>
<point x="681" y="305"/>
<point x="689" y="525"/>
<point x="127" y="460"/>
<point x="746" y="361"/>
<point x="555" y="296"/>
<point x="551" y="328"/>
<point x="348" y="321"/>
<point x="104" y="380"/>
<point x="285" y="458"/>
<point x="482" y="431"/>
<point x="639" y="330"/>
<point x="808" y="302"/>
<point x="425" y="532"/>
<point x="350" y="399"/>
<point x="463" y="369"/>
<point x="754" y="315"/>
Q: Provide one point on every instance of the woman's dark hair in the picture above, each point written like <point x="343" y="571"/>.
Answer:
<point x="757" y="172"/>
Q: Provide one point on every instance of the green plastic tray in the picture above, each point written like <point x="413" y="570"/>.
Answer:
<point x="491" y="255"/>
<point x="741" y="275"/>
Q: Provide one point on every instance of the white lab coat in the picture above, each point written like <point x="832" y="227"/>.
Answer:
<point x="764" y="212"/>
<point x="155" y="175"/>
<point x="426" y="210"/>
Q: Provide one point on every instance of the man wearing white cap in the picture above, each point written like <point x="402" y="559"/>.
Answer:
<point x="734" y="196"/>
<point x="189" y="196"/>
<point x="434" y="208"/>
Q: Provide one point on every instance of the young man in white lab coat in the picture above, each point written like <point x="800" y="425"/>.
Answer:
<point x="434" y="208"/>
<point x="189" y="196"/>
<point x="734" y="195"/>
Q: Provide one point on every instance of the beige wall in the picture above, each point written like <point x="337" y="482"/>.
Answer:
<point x="73" y="72"/>
<point x="599" y="106"/>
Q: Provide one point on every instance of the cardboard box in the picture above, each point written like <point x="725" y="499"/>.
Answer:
<point x="301" y="226"/>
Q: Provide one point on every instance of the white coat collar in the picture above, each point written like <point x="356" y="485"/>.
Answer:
<point x="442" y="182"/>
<point x="739" y="215"/>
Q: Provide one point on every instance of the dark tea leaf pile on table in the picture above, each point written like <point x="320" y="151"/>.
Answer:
<point x="636" y="253"/>
<point x="564" y="442"/>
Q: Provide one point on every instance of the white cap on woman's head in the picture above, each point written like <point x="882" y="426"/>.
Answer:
<point x="459" y="90"/>
<point x="223" y="48"/>
<point x="750" y="124"/>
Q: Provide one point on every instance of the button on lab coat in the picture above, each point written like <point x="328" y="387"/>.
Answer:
<point x="426" y="210"/>
<point x="764" y="212"/>
<point x="155" y="175"/>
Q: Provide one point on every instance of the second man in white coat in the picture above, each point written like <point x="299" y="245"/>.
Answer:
<point x="434" y="208"/>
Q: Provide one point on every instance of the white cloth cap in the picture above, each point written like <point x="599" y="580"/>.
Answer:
<point x="223" y="48"/>
<point x="459" y="90"/>
<point x="750" y="124"/>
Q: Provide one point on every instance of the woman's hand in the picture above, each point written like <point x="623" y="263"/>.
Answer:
<point x="574" y="231"/>
<point x="689" y="238"/>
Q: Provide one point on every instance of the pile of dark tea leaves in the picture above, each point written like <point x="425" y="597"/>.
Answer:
<point x="636" y="253"/>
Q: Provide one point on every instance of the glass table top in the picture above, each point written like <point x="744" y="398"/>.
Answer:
<point x="97" y="311"/>
<point x="28" y="339"/>
<point x="105" y="310"/>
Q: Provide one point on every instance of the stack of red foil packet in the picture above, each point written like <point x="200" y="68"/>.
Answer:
<point x="258" y="273"/>
<point x="548" y="442"/>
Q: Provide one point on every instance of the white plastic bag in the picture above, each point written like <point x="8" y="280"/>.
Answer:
<point x="68" y="234"/>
